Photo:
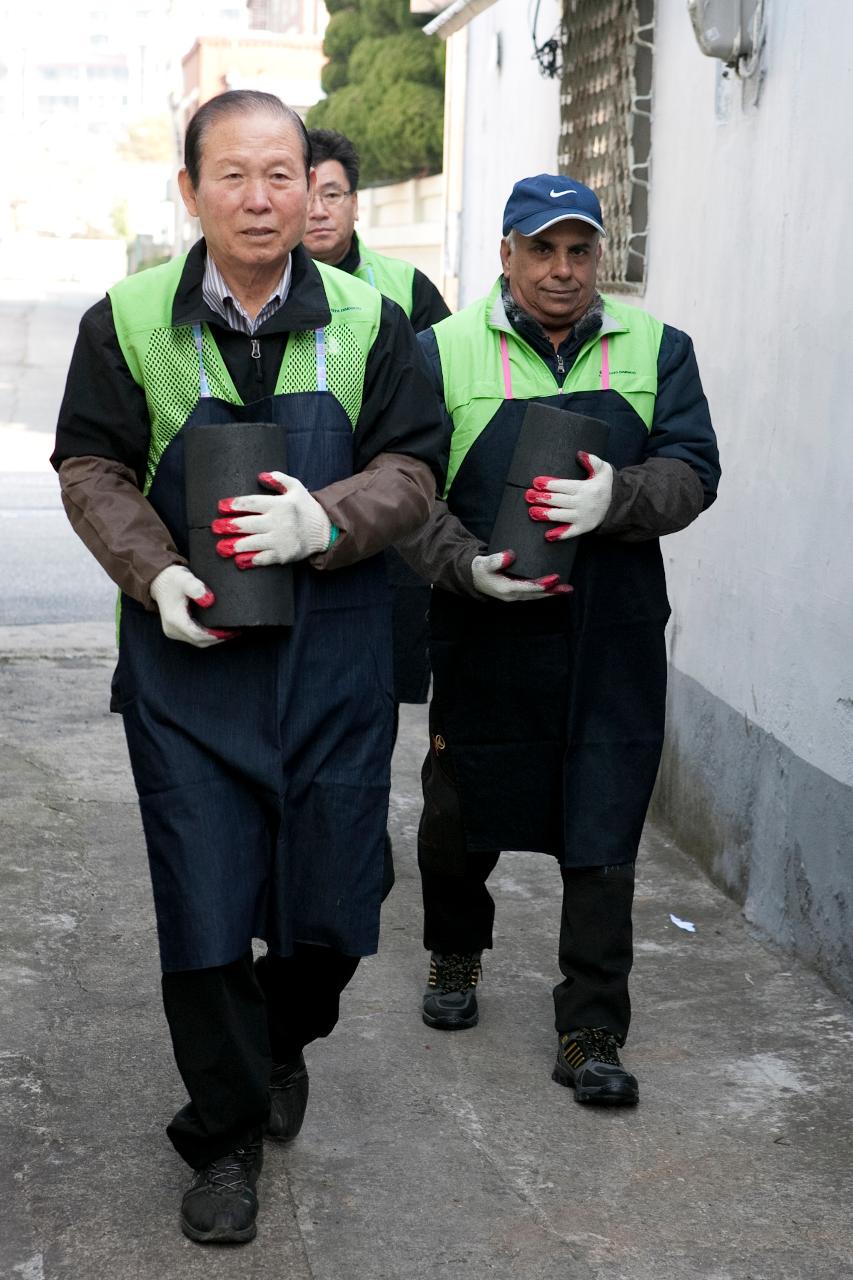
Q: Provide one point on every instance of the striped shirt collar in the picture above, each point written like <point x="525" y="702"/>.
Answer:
<point x="220" y="299"/>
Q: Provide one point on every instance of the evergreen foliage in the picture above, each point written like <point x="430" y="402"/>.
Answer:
<point x="385" y="87"/>
<point x="343" y="32"/>
<point x="333" y="76"/>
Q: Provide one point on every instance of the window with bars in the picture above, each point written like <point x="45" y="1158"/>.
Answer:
<point x="605" y="123"/>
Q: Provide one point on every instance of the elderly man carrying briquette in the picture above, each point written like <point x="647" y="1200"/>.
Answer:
<point x="547" y="714"/>
<point x="261" y="759"/>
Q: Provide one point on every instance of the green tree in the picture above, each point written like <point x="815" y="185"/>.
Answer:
<point x="343" y="33"/>
<point x="333" y="76"/>
<point x="385" y="86"/>
<point x="407" y="56"/>
<point x="381" y="17"/>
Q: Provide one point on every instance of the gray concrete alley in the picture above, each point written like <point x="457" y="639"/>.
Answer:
<point x="447" y="1157"/>
<point x="424" y="1156"/>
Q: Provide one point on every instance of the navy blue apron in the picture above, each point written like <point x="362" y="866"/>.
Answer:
<point x="263" y="764"/>
<point x="547" y="719"/>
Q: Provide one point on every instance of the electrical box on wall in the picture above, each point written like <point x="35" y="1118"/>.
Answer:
<point x="728" y="29"/>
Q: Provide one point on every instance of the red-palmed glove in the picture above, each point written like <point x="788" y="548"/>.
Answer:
<point x="577" y="506"/>
<point x="173" y="590"/>
<point x="282" y="527"/>
<point x="488" y="573"/>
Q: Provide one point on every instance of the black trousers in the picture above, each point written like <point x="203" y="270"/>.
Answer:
<point x="595" y="948"/>
<point x="230" y="1025"/>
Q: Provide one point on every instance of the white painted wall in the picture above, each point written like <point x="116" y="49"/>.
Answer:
<point x="750" y="253"/>
<point x="403" y="220"/>
<point x="505" y="121"/>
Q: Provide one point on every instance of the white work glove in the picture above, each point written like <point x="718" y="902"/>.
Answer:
<point x="285" y="526"/>
<point x="172" y="590"/>
<point x="579" y="506"/>
<point x="491" y="580"/>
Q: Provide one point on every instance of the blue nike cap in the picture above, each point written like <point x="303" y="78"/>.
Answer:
<point x="539" y="202"/>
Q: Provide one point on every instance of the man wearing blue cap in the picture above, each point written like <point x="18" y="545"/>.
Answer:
<point x="546" y="724"/>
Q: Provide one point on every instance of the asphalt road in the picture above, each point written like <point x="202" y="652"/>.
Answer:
<point x="47" y="575"/>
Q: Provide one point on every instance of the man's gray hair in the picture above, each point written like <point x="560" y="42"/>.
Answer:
<point x="243" y="101"/>
<point x="510" y="235"/>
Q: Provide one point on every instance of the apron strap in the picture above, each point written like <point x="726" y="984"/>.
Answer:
<point x="320" y="348"/>
<point x="204" y="389"/>
<point x="605" y="366"/>
<point x="506" y="368"/>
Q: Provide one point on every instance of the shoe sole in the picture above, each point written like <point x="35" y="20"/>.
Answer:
<point x="597" y="1097"/>
<point x="219" y="1235"/>
<point x="450" y="1024"/>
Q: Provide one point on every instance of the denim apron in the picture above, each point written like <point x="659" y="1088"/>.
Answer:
<point x="546" y="720"/>
<point x="262" y="764"/>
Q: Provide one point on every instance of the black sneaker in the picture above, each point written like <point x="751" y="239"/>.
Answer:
<point x="588" y="1062"/>
<point x="288" y="1100"/>
<point x="450" y="1000"/>
<point x="220" y="1204"/>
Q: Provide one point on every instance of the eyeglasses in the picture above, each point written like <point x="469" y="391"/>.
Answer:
<point x="331" y="199"/>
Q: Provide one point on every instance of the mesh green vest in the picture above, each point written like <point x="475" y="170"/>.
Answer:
<point x="164" y="362"/>
<point x="470" y="351"/>
<point x="391" y="276"/>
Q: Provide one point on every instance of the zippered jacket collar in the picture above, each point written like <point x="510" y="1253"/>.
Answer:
<point x="305" y="306"/>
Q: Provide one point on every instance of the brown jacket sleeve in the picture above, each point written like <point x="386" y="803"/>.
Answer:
<point x="122" y="530"/>
<point x="659" y="496"/>
<point x="118" y="525"/>
<point x="442" y="550"/>
<point x="392" y="496"/>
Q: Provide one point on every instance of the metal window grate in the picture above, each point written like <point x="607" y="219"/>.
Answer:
<point x="605" y="123"/>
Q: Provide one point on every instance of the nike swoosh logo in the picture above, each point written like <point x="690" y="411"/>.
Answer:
<point x="570" y="192"/>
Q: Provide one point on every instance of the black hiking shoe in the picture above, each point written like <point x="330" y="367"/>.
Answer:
<point x="588" y="1062"/>
<point x="450" y="1000"/>
<point x="220" y="1204"/>
<point x="288" y="1100"/>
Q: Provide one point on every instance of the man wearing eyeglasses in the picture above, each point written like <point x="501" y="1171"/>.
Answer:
<point x="331" y="237"/>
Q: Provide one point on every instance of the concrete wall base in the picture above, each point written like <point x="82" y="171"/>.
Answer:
<point x="770" y="829"/>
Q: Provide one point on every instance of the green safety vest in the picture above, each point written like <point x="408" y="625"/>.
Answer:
<point x="391" y="276"/>
<point x="163" y="359"/>
<point x="469" y="347"/>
